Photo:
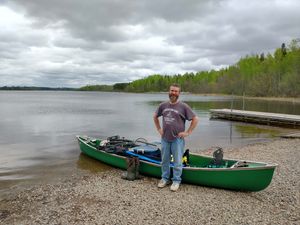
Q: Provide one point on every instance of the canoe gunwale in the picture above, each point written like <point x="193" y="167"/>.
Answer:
<point x="263" y="167"/>
<point x="111" y="154"/>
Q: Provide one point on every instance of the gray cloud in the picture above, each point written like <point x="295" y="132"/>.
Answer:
<point x="73" y="43"/>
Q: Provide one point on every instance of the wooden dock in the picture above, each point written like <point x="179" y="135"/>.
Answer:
<point x="256" y="117"/>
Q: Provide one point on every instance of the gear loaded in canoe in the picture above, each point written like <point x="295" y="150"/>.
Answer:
<point x="199" y="170"/>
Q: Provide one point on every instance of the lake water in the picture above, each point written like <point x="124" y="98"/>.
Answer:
<point x="38" y="128"/>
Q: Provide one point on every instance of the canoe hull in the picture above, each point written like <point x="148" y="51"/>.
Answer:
<point x="240" y="179"/>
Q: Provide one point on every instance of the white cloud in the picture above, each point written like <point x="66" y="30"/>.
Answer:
<point x="73" y="43"/>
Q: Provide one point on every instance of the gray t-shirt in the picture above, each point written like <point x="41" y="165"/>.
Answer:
<point x="174" y="117"/>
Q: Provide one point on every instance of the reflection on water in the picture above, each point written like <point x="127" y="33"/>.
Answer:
<point x="204" y="105"/>
<point x="38" y="128"/>
<point x="85" y="162"/>
<point x="256" y="131"/>
<point x="251" y="105"/>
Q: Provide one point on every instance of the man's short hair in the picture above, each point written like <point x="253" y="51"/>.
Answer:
<point x="175" y="85"/>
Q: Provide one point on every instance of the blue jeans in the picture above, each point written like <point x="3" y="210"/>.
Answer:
<point x="176" y="149"/>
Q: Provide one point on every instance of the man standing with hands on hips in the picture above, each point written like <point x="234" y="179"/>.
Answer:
<point x="174" y="114"/>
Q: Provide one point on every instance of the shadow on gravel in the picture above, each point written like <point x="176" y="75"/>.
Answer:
<point x="4" y="214"/>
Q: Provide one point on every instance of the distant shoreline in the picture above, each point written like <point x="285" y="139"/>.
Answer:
<point x="5" y="88"/>
<point x="280" y="99"/>
<point x="270" y="98"/>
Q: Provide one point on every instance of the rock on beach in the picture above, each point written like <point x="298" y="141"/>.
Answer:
<point x="104" y="198"/>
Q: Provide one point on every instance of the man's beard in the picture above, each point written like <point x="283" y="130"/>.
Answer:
<point x="173" y="98"/>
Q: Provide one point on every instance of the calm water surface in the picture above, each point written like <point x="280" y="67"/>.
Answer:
<point x="38" y="129"/>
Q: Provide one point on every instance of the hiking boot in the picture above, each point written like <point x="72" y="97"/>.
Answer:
<point x="174" y="186"/>
<point x="162" y="183"/>
<point x="130" y="174"/>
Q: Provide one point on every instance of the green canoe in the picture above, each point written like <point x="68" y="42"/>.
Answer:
<point x="256" y="176"/>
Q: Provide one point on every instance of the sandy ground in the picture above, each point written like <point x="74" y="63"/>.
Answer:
<point x="104" y="198"/>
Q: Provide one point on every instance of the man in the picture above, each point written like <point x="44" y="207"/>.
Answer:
<point x="174" y="114"/>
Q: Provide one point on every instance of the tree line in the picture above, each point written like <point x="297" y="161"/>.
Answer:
<point x="276" y="74"/>
<point x="34" y="88"/>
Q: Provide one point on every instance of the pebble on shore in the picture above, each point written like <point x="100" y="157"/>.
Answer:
<point x="104" y="198"/>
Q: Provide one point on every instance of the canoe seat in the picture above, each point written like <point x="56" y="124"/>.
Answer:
<point x="240" y="164"/>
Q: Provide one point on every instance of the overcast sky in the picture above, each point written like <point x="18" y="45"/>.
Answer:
<point x="72" y="43"/>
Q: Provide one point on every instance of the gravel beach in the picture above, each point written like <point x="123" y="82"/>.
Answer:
<point x="104" y="198"/>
